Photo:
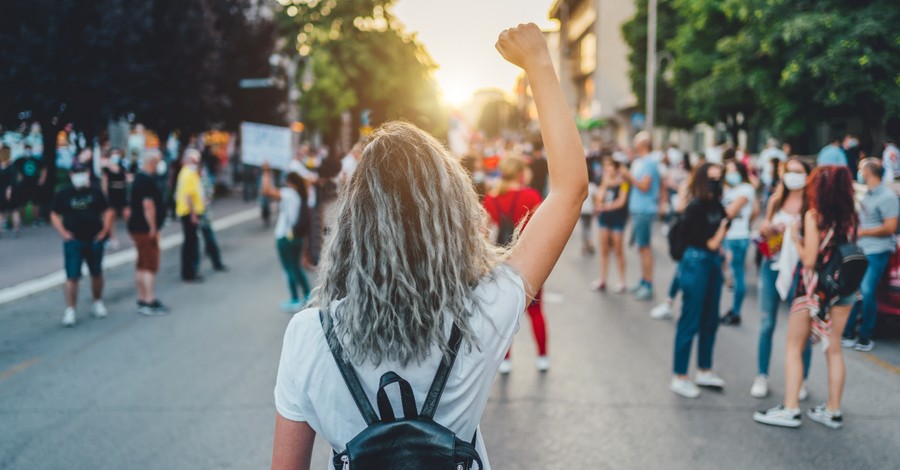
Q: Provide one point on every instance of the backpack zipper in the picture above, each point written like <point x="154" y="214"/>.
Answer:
<point x="346" y="460"/>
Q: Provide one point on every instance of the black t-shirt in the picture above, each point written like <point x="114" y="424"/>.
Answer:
<point x="81" y="211"/>
<point x="701" y="221"/>
<point x="30" y="169"/>
<point x="7" y="179"/>
<point x="539" y="174"/>
<point x="144" y="187"/>
<point x="594" y="167"/>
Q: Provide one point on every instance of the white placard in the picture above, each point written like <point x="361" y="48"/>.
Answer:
<point x="264" y="143"/>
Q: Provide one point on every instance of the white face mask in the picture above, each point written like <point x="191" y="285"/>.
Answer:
<point x="478" y="177"/>
<point x="794" y="181"/>
<point x="161" y="168"/>
<point x="81" y="180"/>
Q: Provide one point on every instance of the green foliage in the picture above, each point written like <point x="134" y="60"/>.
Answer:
<point x="361" y="59"/>
<point x="787" y="65"/>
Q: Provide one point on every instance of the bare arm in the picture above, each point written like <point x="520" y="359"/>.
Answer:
<point x="150" y="214"/>
<point x="293" y="444"/>
<point x="888" y="228"/>
<point x="109" y="217"/>
<point x="808" y="246"/>
<point x="548" y="231"/>
<point x="268" y="190"/>
<point x="735" y="207"/>
<point x="57" y="223"/>
<point x="715" y="242"/>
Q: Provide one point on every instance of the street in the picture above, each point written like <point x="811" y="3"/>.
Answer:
<point x="194" y="389"/>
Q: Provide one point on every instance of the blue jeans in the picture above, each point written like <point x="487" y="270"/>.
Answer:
<point x="769" y="302"/>
<point x="700" y="277"/>
<point x="738" y="249"/>
<point x="289" y="253"/>
<point x="675" y="286"/>
<point x="77" y="252"/>
<point x="877" y="264"/>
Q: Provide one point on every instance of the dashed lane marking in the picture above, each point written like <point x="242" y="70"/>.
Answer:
<point x="18" y="368"/>
<point x="882" y="363"/>
<point x="58" y="278"/>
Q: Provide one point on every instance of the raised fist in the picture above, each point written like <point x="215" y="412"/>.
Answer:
<point x="524" y="46"/>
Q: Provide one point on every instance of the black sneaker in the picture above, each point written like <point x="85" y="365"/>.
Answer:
<point x="730" y="319"/>
<point x="864" y="344"/>
<point x="144" y="308"/>
<point x="221" y="268"/>
<point x="159" y="307"/>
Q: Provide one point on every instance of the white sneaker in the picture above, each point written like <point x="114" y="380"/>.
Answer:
<point x="542" y="363"/>
<point x="98" y="309"/>
<point x="779" y="416"/>
<point x="804" y="393"/>
<point x="69" y="317"/>
<point x="505" y="367"/>
<point x="662" y="311"/>
<point x="684" y="387"/>
<point x="709" y="379"/>
<point x="848" y="342"/>
<point x="760" y="388"/>
<point x="821" y="414"/>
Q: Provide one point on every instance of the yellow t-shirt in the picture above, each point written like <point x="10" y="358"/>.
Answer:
<point x="188" y="188"/>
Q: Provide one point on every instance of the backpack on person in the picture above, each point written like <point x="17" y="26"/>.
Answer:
<point x="414" y="441"/>
<point x="506" y="228"/>
<point x="677" y="238"/>
<point x="842" y="270"/>
<point x="301" y="228"/>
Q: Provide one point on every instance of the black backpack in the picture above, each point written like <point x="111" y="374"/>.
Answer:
<point x="677" y="239"/>
<point x="842" y="271"/>
<point x="414" y="441"/>
<point x="301" y="228"/>
<point x="506" y="229"/>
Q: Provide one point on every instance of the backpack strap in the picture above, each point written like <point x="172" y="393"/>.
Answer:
<point x="350" y="378"/>
<point x="443" y="372"/>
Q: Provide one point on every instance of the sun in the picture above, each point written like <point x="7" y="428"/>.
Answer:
<point x="455" y="92"/>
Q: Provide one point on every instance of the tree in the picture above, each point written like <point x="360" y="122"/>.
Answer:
<point x="669" y="110"/>
<point x="361" y="60"/>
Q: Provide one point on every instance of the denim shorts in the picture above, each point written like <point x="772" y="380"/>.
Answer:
<point x="847" y="300"/>
<point x="641" y="229"/>
<point x="77" y="252"/>
<point x="615" y="225"/>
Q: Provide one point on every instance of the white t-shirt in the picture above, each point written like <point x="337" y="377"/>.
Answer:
<point x="288" y="212"/>
<point x="310" y="388"/>
<point x="740" y="225"/>
<point x="587" y="207"/>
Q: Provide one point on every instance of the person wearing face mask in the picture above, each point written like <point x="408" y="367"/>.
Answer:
<point x="850" y="145"/>
<point x="785" y="208"/>
<point x="878" y="215"/>
<point x="740" y="203"/>
<point x="510" y="206"/>
<point x="146" y="219"/>
<point x="114" y="182"/>
<point x="83" y="218"/>
<point x="700" y="278"/>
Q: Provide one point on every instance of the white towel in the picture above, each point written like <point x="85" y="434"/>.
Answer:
<point x="787" y="262"/>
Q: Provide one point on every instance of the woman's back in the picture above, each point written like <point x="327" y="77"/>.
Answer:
<point x="310" y="388"/>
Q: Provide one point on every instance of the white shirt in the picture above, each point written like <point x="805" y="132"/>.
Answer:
<point x="714" y="155"/>
<point x="740" y="225"/>
<point x="309" y="387"/>
<point x="348" y="166"/>
<point x="890" y="160"/>
<point x="288" y="212"/>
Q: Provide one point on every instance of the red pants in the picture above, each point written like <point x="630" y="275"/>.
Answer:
<point x="536" y="312"/>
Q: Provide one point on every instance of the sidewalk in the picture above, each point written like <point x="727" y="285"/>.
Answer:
<point x="38" y="250"/>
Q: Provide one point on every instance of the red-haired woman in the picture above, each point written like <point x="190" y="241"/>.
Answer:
<point x="830" y="221"/>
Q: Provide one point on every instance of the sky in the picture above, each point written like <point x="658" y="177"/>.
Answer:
<point x="460" y="35"/>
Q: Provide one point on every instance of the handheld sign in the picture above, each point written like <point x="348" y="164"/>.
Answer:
<point x="264" y="143"/>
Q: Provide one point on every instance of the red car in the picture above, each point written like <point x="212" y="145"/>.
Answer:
<point x="889" y="291"/>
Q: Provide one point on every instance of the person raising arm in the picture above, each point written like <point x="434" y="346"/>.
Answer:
<point x="542" y="241"/>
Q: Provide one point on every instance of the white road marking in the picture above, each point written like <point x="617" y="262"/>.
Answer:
<point x="58" y="278"/>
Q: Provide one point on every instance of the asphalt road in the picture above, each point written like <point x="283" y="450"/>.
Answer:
<point x="194" y="389"/>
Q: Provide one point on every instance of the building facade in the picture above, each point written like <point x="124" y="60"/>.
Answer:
<point x="592" y="57"/>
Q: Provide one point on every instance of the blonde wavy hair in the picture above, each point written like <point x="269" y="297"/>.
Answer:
<point x="407" y="249"/>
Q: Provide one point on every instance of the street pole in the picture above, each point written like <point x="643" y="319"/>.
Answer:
<point x="651" y="67"/>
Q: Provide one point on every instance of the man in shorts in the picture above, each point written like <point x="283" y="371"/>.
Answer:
<point x="147" y="216"/>
<point x="643" y="207"/>
<point x="83" y="218"/>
